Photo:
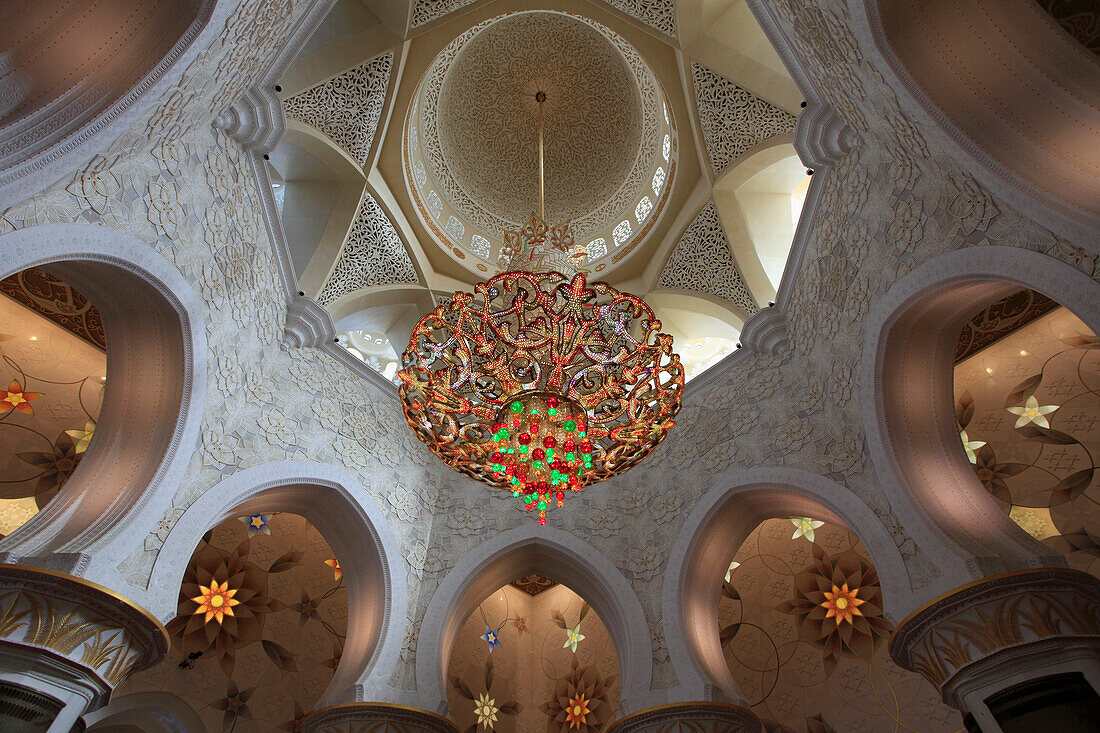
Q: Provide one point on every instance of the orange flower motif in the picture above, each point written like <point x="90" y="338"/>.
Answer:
<point x="577" y="710"/>
<point x="216" y="601"/>
<point x="842" y="604"/>
<point x="16" y="398"/>
<point x="335" y="565"/>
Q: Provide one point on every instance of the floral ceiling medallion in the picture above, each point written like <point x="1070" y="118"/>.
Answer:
<point x="538" y="383"/>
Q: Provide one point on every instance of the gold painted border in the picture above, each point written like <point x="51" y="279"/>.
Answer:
<point x="390" y="705"/>
<point x="928" y="605"/>
<point x="669" y="706"/>
<point x="132" y="605"/>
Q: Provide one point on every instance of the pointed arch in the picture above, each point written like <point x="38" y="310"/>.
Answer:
<point x="152" y="404"/>
<point x="736" y="503"/>
<point x="908" y="400"/>
<point x="557" y="555"/>
<point x="333" y="501"/>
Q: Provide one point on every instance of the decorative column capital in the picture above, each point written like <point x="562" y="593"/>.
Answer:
<point x="95" y="628"/>
<point x="308" y="324"/>
<point x="999" y="625"/>
<point x="765" y="332"/>
<point x="364" y="717"/>
<point x="697" y="717"/>
<point x="256" y="120"/>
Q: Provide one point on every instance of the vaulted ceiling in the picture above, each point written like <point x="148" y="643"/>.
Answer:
<point x="411" y="141"/>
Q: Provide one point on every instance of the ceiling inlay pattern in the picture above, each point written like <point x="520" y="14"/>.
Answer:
<point x="702" y="261"/>
<point x="733" y="120"/>
<point x="348" y="106"/>
<point x="659" y="14"/>
<point x="373" y="254"/>
<point x="534" y="584"/>
<point x="57" y="300"/>
<point x="1079" y="18"/>
<point x="1001" y="319"/>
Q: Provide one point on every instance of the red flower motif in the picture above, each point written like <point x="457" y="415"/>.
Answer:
<point x="15" y="398"/>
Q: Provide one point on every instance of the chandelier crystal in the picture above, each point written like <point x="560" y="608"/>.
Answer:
<point x="539" y="382"/>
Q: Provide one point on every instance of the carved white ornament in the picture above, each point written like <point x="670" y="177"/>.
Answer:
<point x="658" y="181"/>
<point x="732" y="119"/>
<point x="348" y="106"/>
<point x="480" y="246"/>
<point x="597" y="248"/>
<point x="658" y="14"/>
<point x="621" y="233"/>
<point x="702" y="261"/>
<point x="372" y="254"/>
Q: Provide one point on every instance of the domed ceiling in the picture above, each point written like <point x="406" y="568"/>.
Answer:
<point x="669" y="154"/>
<point x="471" y="138"/>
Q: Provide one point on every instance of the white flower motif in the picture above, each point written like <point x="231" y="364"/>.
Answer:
<point x="605" y="523"/>
<point x="219" y="446"/>
<point x="645" y="562"/>
<point x="465" y="521"/>
<point x="97" y="184"/>
<point x="260" y="388"/>
<point x="404" y="503"/>
<point x="218" y="226"/>
<point x="666" y="507"/>
<point x="165" y="210"/>
<point x="424" y="560"/>
<point x="791" y="435"/>
<point x="846" y="453"/>
<point x="804" y="527"/>
<point x="573" y="637"/>
<point x="278" y="429"/>
<point x="633" y="501"/>
<point x="1032" y="412"/>
<point x="171" y="152"/>
<point x="351" y="452"/>
<point x="328" y="412"/>
<point x="971" y="446"/>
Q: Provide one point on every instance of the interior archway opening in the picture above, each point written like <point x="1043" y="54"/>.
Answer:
<point x="261" y="625"/>
<point x="803" y="634"/>
<point x="533" y="655"/>
<point x="1027" y="407"/>
<point x="53" y="369"/>
<point x="911" y="383"/>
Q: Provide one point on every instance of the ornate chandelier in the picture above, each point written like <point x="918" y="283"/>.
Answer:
<point x="539" y="382"/>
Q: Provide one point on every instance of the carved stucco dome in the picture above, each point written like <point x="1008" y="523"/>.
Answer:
<point x="488" y="116"/>
<point x="471" y="139"/>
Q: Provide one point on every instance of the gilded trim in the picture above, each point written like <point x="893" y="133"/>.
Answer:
<point x="380" y="705"/>
<point x="32" y="570"/>
<point x="928" y="605"/>
<point x="668" y="706"/>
